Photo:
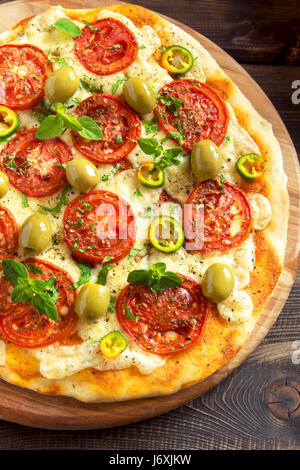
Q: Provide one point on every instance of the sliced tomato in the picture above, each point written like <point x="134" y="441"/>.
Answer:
<point x="198" y="112"/>
<point x="120" y="127"/>
<point x="109" y="49"/>
<point x="23" y="325"/>
<point x="227" y="216"/>
<point x="166" y="321"/>
<point x="99" y="224"/>
<point x="23" y="72"/>
<point x="8" y="234"/>
<point x="32" y="165"/>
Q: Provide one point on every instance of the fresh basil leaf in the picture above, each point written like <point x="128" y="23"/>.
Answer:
<point x="139" y="277"/>
<point x="159" y="267"/>
<point x="45" y="306"/>
<point x="90" y="129"/>
<point x="117" y="83"/>
<point x="13" y="271"/>
<point x="59" y="108"/>
<point x="25" y="201"/>
<point x="85" y="274"/>
<point x="51" y="126"/>
<point x="34" y="269"/>
<point x="150" y="146"/>
<point x="71" y="122"/>
<point x="50" y="289"/>
<point x="169" y="157"/>
<point x="170" y="279"/>
<point x="174" y="135"/>
<point x="138" y="193"/>
<point x="67" y="26"/>
<point x="37" y="285"/>
<point x="19" y="294"/>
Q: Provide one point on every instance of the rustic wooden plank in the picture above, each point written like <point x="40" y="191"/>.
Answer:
<point x="252" y="31"/>
<point x="276" y="81"/>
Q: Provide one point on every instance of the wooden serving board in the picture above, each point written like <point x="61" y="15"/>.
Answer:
<point x="25" y="407"/>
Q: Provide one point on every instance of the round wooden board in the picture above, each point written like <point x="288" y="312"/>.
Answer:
<point x="25" y="407"/>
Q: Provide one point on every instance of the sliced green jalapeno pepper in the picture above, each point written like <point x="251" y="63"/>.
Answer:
<point x="166" y="234"/>
<point x="151" y="175"/>
<point x="9" y="122"/>
<point x="177" y="59"/>
<point x="112" y="344"/>
<point x="249" y="167"/>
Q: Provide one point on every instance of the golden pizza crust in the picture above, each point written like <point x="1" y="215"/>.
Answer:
<point x="221" y="340"/>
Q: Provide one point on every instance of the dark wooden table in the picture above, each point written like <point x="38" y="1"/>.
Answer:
<point x="258" y="406"/>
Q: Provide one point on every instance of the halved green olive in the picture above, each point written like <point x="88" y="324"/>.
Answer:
<point x="139" y="95"/>
<point x="61" y="85"/>
<point x="92" y="301"/>
<point x="218" y="282"/>
<point x="82" y="174"/>
<point x="3" y="184"/>
<point x="206" y="160"/>
<point x="36" y="232"/>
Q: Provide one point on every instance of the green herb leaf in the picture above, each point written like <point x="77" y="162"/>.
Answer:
<point x="45" y="306"/>
<point x="150" y="146"/>
<point x="134" y="252"/>
<point x="150" y="126"/>
<point x="25" y="201"/>
<point x="63" y="201"/>
<point x="174" y="135"/>
<point x="92" y="28"/>
<point x="129" y="315"/>
<point x="117" y="83"/>
<point x="67" y="26"/>
<point x="138" y="193"/>
<point x="13" y="271"/>
<point x="105" y="268"/>
<point x="19" y="294"/>
<point x="58" y="60"/>
<point x="90" y="129"/>
<point x="156" y="277"/>
<point x="34" y="269"/>
<point x="91" y="88"/>
<point x="85" y="274"/>
<point x="51" y="126"/>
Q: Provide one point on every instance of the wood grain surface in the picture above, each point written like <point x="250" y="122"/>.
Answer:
<point x="256" y="407"/>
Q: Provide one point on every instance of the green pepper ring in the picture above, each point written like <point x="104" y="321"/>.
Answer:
<point x="241" y="167"/>
<point x="148" y="182"/>
<point x="168" y="53"/>
<point x="15" y="122"/>
<point x="177" y="228"/>
<point x="120" y="345"/>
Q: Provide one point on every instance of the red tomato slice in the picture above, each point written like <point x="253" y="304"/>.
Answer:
<point x="167" y="321"/>
<point x="23" y="72"/>
<point x="99" y="224"/>
<point x="111" y="49"/>
<point x="222" y="203"/>
<point x="120" y="127"/>
<point x="24" y="326"/>
<point x="31" y="164"/>
<point x="202" y="114"/>
<point x="8" y="234"/>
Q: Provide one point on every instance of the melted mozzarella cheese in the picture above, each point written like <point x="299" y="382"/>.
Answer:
<point x="237" y="308"/>
<point x="58" y="361"/>
<point x="261" y="210"/>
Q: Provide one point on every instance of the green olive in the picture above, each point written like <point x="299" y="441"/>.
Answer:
<point x="218" y="282"/>
<point x="61" y="85"/>
<point x="139" y="95"/>
<point x="206" y="160"/>
<point x="92" y="301"/>
<point x="36" y="232"/>
<point x="3" y="184"/>
<point x="82" y="174"/>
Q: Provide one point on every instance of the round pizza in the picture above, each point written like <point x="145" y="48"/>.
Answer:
<point x="143" y="211"/>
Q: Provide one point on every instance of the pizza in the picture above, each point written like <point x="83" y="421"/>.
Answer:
<point x="143" y="210"/>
